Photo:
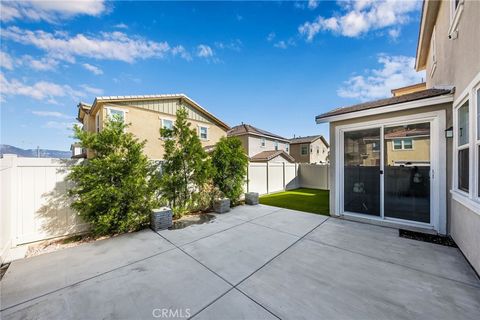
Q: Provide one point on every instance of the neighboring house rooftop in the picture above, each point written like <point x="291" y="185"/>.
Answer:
<point x="419" y="95"/>
<point x="269" y="155"/>
<point x="244" y="129"/>
<point x="415" y="132"/>
<point x="91" y="108"/>
<point x="409" y="89"/>
<point x="308" y="139"/>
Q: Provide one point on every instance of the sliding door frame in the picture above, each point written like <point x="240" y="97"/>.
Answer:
<point x="437" y="167"/>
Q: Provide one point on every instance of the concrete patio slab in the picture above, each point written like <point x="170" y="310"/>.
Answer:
<point x="236" y="253"/>
<point x="248" y="213"/>
<point x="385" y="244"/>
<point x="291" y="221"/>
<point x="29" y="278"/>
<point x="198" y="231"/>
<point x="171" y="281"/>
<point x="234" y="306"/>
<point x="340" y="270"/>
<point x="312" y="280"/>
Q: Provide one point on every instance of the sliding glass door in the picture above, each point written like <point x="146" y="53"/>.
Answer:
<point x="362" y="171"/>
<point x="386" y="172"/>
<point x="407" y="172"/>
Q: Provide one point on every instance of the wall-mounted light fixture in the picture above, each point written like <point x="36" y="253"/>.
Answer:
<point x="449" y="133"/>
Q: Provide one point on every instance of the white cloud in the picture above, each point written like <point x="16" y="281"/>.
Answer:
<point x="6" y="61"/>
<point x="235" y="45"/>
<point x="282" y="44"/>
<point x="271" y="36"/>
<point x="42" y="90"/>
<point x="360" y="17"/>
<point x="93" y="69"/>
<point x="92" y="90"/>
<point x="312" y="4"/>
<point x="107" y="45"/>
<point x="121" y="26"/>
<point x="43" y="64"/>
<point x="53" y="114"/>
<point x="50" y="11"/>
<point x="182" y="52"/>
<point x="394" y="33"/>
<point x="204" y="51"/>
<point x="395" y="72"/>
<point x="60" y="125"/>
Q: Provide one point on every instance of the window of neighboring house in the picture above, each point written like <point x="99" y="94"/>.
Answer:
<point x="166" y="124"/>
<point x="304" y="150"/>
<point x="402" y="144"/>
<point x="97" y="122"/>
<point x="456" y="9"/>
<point x="276" y="145"/>
<point x="262" y="142"/>
<point x="286" y="148"/>
<point x="433" y="48"/>
<point x="318" y="149"/>
<point x="203" y="132"/>
<point x="463" y="152"/>
<point x="116" y="113"/>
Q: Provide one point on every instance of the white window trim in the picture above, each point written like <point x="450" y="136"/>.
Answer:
<point x="434" y="52"/>
<point x="162" y="122"/>
<point x="402" y="140"/>
<point x="263" y="142"/>
<point x="97" y="122"/>
<point x="455" y="15"/>
<point x="469" y="199"/>
<point x="199" y="132"/>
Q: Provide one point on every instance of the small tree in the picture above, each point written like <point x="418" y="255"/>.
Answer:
<point x="115" y="190"/>
<point x="186" y="167"/>
<point x="230" y="167"/>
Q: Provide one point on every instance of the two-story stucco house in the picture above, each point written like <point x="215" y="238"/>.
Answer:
<point x="261" y="145"/>
<point x="413" y="160"/>
<point x="147" y="114"/>
<point x="309" y="149"/>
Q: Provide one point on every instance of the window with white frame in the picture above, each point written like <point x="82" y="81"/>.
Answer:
<point x="167" y="124"/>
<point x="456" y="9"/>
<point x="276" y="145"/>
<point x="97" y="122"/>
<point x="304" y="149"/>
<point x="318" y="149"/>
<point x="116" y="114"/>
<point x="203" y="132"/>
<point x="463" y="146"/>
<point x="286" y="147"/>
<point x="433" y="49"/>
<point x="262" y="143"/>
<point x="466" y="161"/>
<point x="402" y="144"/>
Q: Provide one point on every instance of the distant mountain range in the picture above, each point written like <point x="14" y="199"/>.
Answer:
<point x="33" y="153"/>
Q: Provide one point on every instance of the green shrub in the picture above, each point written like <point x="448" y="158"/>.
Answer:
<point x="114" y="191"/>
<point x="186" y="169"/>
<point x="229" y="163"/>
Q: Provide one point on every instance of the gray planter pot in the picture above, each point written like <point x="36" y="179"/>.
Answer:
<point x="221" y="205"/>
<point x="161" y="219"/>
<point x="251" y="198"/>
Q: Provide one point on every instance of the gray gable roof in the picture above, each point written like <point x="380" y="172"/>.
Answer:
<point x="243" y="129"/>
<point x="428" y="93"/>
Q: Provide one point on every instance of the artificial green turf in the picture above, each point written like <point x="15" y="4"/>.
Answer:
<point x="303" y="199"/>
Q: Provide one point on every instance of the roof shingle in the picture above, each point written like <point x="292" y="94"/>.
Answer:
<point x="246" y="129"/>
<point x="270" y="154"/>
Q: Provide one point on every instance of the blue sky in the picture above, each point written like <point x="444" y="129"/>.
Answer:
<point x="274" y="65"/>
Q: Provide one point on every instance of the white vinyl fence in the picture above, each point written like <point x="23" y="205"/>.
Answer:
<point x="267" y="178"/>
<point x="34" y="205"/>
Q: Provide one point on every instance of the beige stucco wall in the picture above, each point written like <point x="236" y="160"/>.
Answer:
<point x="378" y="118"/>
<point x="145" y="125"/>
<point x="312" y="156"/>
<point x="458" y="60"/>
<point x="255" y="145"/>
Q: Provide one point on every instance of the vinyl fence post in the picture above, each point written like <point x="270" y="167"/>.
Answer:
<point x="267" y="179"/>
<point x="283" y="175"/>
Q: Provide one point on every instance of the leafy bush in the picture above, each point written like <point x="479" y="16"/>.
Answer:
<point x="186" y="166"/>
<point x="230" y="167"/>
<point x="115" y="190"/>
